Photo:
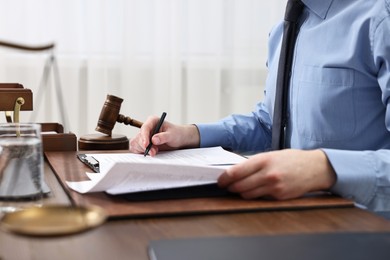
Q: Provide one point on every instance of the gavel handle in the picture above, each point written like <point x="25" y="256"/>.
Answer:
<point x="128" y="121"/>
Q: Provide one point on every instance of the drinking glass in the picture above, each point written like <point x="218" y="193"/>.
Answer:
<point x="21" y="166"/>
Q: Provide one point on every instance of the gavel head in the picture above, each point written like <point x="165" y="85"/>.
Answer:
<point x="109" y="114"/>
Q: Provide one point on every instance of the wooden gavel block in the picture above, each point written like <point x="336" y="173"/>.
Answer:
<point x="109" y="115"/>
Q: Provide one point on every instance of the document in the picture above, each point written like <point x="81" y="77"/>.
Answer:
<point x="122" y="173"/>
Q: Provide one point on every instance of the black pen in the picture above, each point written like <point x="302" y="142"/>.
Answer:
<point x="158" y="126"/>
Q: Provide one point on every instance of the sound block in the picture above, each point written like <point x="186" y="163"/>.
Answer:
<point x="103" y="142"/>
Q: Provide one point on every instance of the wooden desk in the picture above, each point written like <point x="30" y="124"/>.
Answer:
<point x="128" y="239"/>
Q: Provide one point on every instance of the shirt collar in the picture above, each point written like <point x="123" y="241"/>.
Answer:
<point x="319" y="7"/>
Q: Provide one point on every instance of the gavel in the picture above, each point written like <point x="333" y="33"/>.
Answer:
<point x="110" y="115"/>
<point x="107" y="119"/>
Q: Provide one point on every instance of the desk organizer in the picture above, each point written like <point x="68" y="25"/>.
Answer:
<point x="54" y="138"/>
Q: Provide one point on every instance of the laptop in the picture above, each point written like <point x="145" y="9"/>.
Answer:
<point x="323" y="246"/>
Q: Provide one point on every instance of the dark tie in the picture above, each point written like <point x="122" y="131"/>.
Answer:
<point x="293" y="11"/>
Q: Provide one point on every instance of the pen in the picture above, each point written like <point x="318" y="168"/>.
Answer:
<point x="155" y="132"/>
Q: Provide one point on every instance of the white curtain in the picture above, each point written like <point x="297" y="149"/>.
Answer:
<point x="198" y="60"/>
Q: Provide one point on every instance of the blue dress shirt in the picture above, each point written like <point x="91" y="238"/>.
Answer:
<point x="338" y="100"/>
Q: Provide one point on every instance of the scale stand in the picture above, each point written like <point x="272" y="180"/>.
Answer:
<point x="51" y="64"/>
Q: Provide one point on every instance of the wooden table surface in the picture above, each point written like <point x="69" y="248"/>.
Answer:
<point x="128" y="238"/>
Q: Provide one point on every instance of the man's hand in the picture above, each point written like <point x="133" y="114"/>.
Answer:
<point x="284" y="174"/>
<point x="170" y="137"/>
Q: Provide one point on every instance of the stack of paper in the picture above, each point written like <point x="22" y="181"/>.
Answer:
<point x="127" y="172"/>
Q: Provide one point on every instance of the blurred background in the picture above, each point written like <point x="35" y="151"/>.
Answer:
<point x="198" y="60"/>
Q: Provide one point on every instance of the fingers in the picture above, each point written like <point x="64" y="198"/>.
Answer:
<point x="281" y="175"/>
<point x="249" y="183"/>
<point x="160" y="141"/>
<point x="139" y="143"/>
<point x="170" y="137"/>
<point x="147" y="130"/>
<point x="165" y="136"/>
<point x="230" y="176"/>
<point x="254" y="178"/>
<point x="240" y="172"/>
<point x="135" y="145"/>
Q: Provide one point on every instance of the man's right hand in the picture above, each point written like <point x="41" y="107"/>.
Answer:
<point x="170" y="137"/>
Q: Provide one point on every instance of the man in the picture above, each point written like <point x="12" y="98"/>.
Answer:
<point x="338" y="112"/>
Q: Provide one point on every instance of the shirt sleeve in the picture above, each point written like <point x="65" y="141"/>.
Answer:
<point x="364" y="176"/>
<point x="245" y="134"/>
<point x="354" y="170"/>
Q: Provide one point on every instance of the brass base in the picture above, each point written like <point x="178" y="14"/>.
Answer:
<point x="54" y="220"/>
<point x="103" y="142"/>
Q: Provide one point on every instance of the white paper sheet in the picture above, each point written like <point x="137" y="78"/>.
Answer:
<point x="127" y="172"/>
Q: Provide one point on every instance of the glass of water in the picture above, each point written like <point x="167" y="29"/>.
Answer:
<point x="21" y="166"/>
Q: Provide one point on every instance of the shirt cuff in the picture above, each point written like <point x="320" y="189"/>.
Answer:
<point x="355" y="178"/>
<point x="212" y="134"/>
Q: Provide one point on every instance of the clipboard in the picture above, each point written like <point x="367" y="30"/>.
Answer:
<point x="90" y="161"/>
<point x="198" y="191"/>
